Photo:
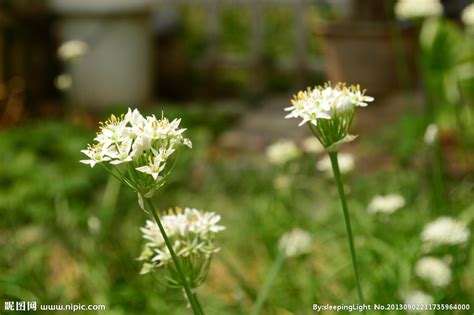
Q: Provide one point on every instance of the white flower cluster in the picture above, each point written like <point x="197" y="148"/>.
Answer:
<point x="408" y="9"/>
<point x="144" y="144"/>
<point x="72" y="49"/>
<point x="468" y="15"/>
<point x="324" y="102"/>
<point x="328" y="111"/>
<point x="431" y="134"/>
<point x="433" y="270"/>
<point x="282" y="151"/>
<point x="445" y="231"/>
<point x="295" y="243"/>
<point x="387" y="204"/>
<point x="192" y="234"/>
<point x="415" y="298"/>
<point x="312" y="145"/>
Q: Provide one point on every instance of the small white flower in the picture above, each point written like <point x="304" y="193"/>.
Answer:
<point x="434" y="271"/>
<point x="154" y="167"/>
<point x="359" y="99"/>
<point x="431" y="134"/>
<point x="295" y="243"/>
<point x="468" y="15"/>
<point x="282" y="152"/>
<point x="415" y="298"/>
<point x="96" y="154"/>
<point x="346" y="164"/>
<point x="72" y="49"/>
<point x="408" y="9"/>
<point x="312" y="145"/>
<point x="120" y="152"/>
<point x="387" y="204"/>
<point x="445" y="231"/>
<point x="163" y="255"/>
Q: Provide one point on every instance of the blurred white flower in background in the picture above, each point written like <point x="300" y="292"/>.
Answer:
<point x="416" y="298"/>
<point x="282" y="182"/>
<point x="431" y="134"/>
<point x="72" y="49"/>
<point x="387" y="204"/>
<point x="346" y="164"/>
<point x="191" y="232"/>
<point x="434" y="271"/>
<point x="312" y="145"/>
<point x="468" y="15"/>
<point x="445" y="231"/>
<point x="282" y="152"/>
<point x="408" y="9"/>
<point x="94" y="224"/>
<point x="63" y="82"/>
<point x="294" y="243"/>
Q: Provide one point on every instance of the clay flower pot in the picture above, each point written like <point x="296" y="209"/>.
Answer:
<point x="380" y="56"/>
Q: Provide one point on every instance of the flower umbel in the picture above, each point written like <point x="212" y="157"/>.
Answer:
<point x="434" y="271"/>
<point x="295" y="243"/>
<point x="72" y="49"/>
<point x="387" y="204"/>
<point x="467" y="15"/>
<point x="192" y="233"/>
<point x="409" y="9"/>
<point x="445" y="231"/>
<point x="282" y="151"/>
<point x="415" y="298"/>
<point x="328" y="110"/>
<point x="137" y="149"/>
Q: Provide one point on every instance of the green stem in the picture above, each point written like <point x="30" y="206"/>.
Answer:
<point x="265" y="289"/>
<point x="437" y="176"/>
<point x="198" y="303"/>
<point x="342" y="195"/>
<point x="184" y="282"/>
<point x="239" y="278"/>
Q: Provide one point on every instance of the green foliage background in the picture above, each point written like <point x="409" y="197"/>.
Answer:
<point x="70" y="234"/>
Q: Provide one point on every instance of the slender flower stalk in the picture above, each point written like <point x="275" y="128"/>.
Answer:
<point x="140" y="152"/>
<point x="292" y="244"/>
<point x="347" y="220"/>
<point x="267" y="285"/>
<point x="435" y="161"/>
<point x="329" y="111"/>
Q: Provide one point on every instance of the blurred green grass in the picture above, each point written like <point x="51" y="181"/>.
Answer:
<point x="70" y="234"/>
